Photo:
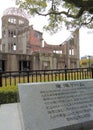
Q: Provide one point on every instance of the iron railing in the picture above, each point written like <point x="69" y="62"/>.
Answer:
<point x="12" y="78"/>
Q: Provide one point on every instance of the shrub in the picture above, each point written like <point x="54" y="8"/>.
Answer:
<point x="8" y="94"/>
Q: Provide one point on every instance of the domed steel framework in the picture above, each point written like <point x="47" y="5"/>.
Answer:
<point x="15" y="11"/>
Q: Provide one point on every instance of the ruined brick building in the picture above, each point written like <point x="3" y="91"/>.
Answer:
<point x="23" y="48"/>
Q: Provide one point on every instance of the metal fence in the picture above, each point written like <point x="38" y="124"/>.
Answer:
<point x="12" y="78"/>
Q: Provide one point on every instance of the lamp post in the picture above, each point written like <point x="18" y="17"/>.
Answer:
<point x="62" y="55"/>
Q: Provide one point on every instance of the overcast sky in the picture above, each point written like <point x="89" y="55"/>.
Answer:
<point x="86" y="36"/>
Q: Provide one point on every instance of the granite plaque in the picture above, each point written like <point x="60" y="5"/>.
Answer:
<point x="64" y="105"/>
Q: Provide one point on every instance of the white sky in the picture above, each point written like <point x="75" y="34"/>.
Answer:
<point x="86" y="36"/>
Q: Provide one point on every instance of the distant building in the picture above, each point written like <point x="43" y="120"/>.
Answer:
<point x="86" y="61"/>
<point x="24" y="48"/>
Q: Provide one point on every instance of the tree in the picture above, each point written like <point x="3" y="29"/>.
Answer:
<point x="71" y="13"/>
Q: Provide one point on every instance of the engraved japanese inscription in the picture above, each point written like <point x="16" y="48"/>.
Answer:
<point x="72" y="101"/>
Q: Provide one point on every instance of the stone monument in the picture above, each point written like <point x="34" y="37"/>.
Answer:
<point x="60" y="105"/>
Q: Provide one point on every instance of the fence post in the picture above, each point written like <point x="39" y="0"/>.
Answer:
<point x="92" y="71"/>
<point x="65" y="72"/>
<point x="0" y="78"/>
<point x="27" y="76"/>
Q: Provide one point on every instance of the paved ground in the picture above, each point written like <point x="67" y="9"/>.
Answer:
<point x="10" y="118"/>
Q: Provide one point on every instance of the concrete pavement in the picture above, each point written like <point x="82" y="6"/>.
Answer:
<point x="10" y="117"/>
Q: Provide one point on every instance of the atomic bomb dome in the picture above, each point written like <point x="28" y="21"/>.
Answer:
<point x="16" y="12"/>
<point x="25" y="49"/>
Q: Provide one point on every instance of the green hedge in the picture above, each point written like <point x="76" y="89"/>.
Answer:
<point x="8" y="94"/>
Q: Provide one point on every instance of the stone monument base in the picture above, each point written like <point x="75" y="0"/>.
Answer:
<point x="10" y="117"/>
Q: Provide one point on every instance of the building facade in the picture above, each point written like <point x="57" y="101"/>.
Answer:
<point x="23" y="48"/>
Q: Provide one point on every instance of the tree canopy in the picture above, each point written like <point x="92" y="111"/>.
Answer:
<point x="71" y="13"/>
